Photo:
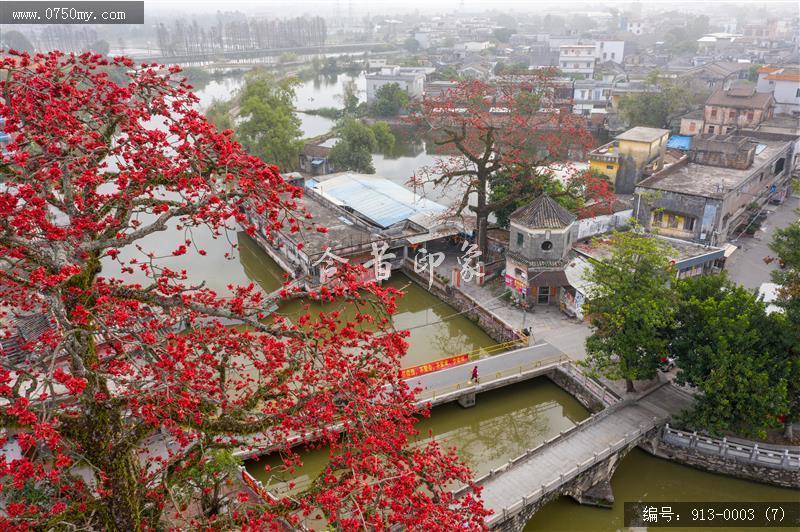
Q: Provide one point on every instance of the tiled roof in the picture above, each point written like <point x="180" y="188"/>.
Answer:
<point x="756" y="100"/>
<point x="543" y="213"/>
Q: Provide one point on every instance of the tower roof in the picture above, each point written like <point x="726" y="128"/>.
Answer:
<point x="543" y="213"/>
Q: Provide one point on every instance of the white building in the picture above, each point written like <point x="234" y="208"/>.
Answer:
<point x="784" y="84"/>
<point x="577" y="59"/>
<point x="411" y="80"/>
<point x="638" y="27"/>
<point x="610" y="51"/>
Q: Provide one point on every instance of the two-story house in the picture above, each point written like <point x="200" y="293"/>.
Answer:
<point x="739" y="106"/>
<point x="784" y="84"/>
<point x="707" y="196"/>
<point x="541" y="235"/>
<point x="631" y="156"/>
<point x="411" y="80"/>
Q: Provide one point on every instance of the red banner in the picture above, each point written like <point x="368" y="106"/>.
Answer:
<point x="436" y="365"/>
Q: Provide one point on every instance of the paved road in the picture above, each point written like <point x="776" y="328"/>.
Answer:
<point x="746" y="266"/>
<point x="488" y="368"/>
<point x="579" y="446"/>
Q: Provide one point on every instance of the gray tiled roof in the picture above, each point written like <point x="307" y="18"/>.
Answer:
<point x="543" y="213"/>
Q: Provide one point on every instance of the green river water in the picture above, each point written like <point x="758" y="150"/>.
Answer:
<point x="505" y="422"/>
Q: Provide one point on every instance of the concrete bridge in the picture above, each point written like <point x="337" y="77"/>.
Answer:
<point x="496" y="371"/>
<point x="578" y="462"/>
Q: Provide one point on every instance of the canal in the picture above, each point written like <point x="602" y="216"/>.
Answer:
<point x="504" y="422"/>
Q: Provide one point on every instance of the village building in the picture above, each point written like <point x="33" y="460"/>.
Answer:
<point x="411" y="80"/>
<point x="360" y="212"/>
<point x="314" y="157"/>
<point x="631" y="156"/>
<point x="739" y="106"/>
<point x="709" y="195"/>
<point x="540" y="240"/>
<point x="577" y="59"/>
<point x="707" y="78"/>
<point x="783" y="82"/>
<point x="687" y="260"/>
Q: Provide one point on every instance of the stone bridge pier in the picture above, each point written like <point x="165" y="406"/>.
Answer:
<point x="590" y="487"/>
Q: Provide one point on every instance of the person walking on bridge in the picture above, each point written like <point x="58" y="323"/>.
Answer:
<point x="475" y="374"/>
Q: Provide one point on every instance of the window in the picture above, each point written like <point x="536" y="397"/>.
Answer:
<point x="692" y="126"/>
<point x="520" y="239"/>
<point x="688" y="224"/>
<point x="672" y="221"/>
<point x="797" y="94"/>
<point x="609" y="167"/>
<point x="613" y="54"/>
<point x="732" y="114"/>
<point x="605" y="55"/>
<point x="710" y="129"/>
<point x="750" y="115"/>
<point x="728" y="129"/>
<point x="658" y="218"/>
<point x="779" y="165"/>
<point x="713" y="113"/>
<point x="547" y="245"/>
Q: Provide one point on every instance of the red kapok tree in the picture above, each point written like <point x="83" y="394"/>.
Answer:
<point x="119" y="398"/>
<point x="510" y="130"/>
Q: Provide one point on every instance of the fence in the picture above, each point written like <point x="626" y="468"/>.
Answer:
<point x="559" y="481"/>
<point x="603" y="393"/>
<point x="519" y="372"/>
<point x="736" y="450"/>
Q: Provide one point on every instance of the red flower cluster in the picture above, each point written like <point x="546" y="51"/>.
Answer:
<point x="134" y="387"/>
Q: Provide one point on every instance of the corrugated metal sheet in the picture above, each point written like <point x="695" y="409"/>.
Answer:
<point x="383" y="202"/>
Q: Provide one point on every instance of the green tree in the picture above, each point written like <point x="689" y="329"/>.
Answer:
<point x="630" y="307"/>
<point x="350" y="97"/>
<point x="357" y="141"/>
<point x="411" y="44"/>
<point x="219" y="113"/>
<point x="389" y="100"/>
<point x="270" y="129"/>
<point x="503" y="186"/>
<point x="447" y="73"/>
<point x="657" y="105"/>
<point x="786" y="245"/>
<point x="503" y="34"/>
<point x="729" y="348"/>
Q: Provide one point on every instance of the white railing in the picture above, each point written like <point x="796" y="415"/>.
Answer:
<point x="733" y="449"/>
<point x="600" y="391"/>
<point x="556" y="483"/>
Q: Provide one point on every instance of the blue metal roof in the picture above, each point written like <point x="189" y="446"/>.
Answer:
<point x="382" y="201"/>
<point x="679" y="142"/>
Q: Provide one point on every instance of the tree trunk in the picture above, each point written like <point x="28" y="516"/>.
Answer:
<point x="788" y="430"/>
<point x="482" y="219"/>
<point x="629" y="386"/>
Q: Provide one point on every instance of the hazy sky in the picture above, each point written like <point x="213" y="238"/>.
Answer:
<point x="329" y="7"/>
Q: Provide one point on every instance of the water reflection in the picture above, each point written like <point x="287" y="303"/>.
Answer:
<point x="504" y="423"/>
<point x="642" y="477"/>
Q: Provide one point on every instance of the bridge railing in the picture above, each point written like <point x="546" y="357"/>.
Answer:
<point x="736" y="450"/>
<point x="488" y="378"/>
<point x="605" y="394"/>
<point x="564" y="477"/>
